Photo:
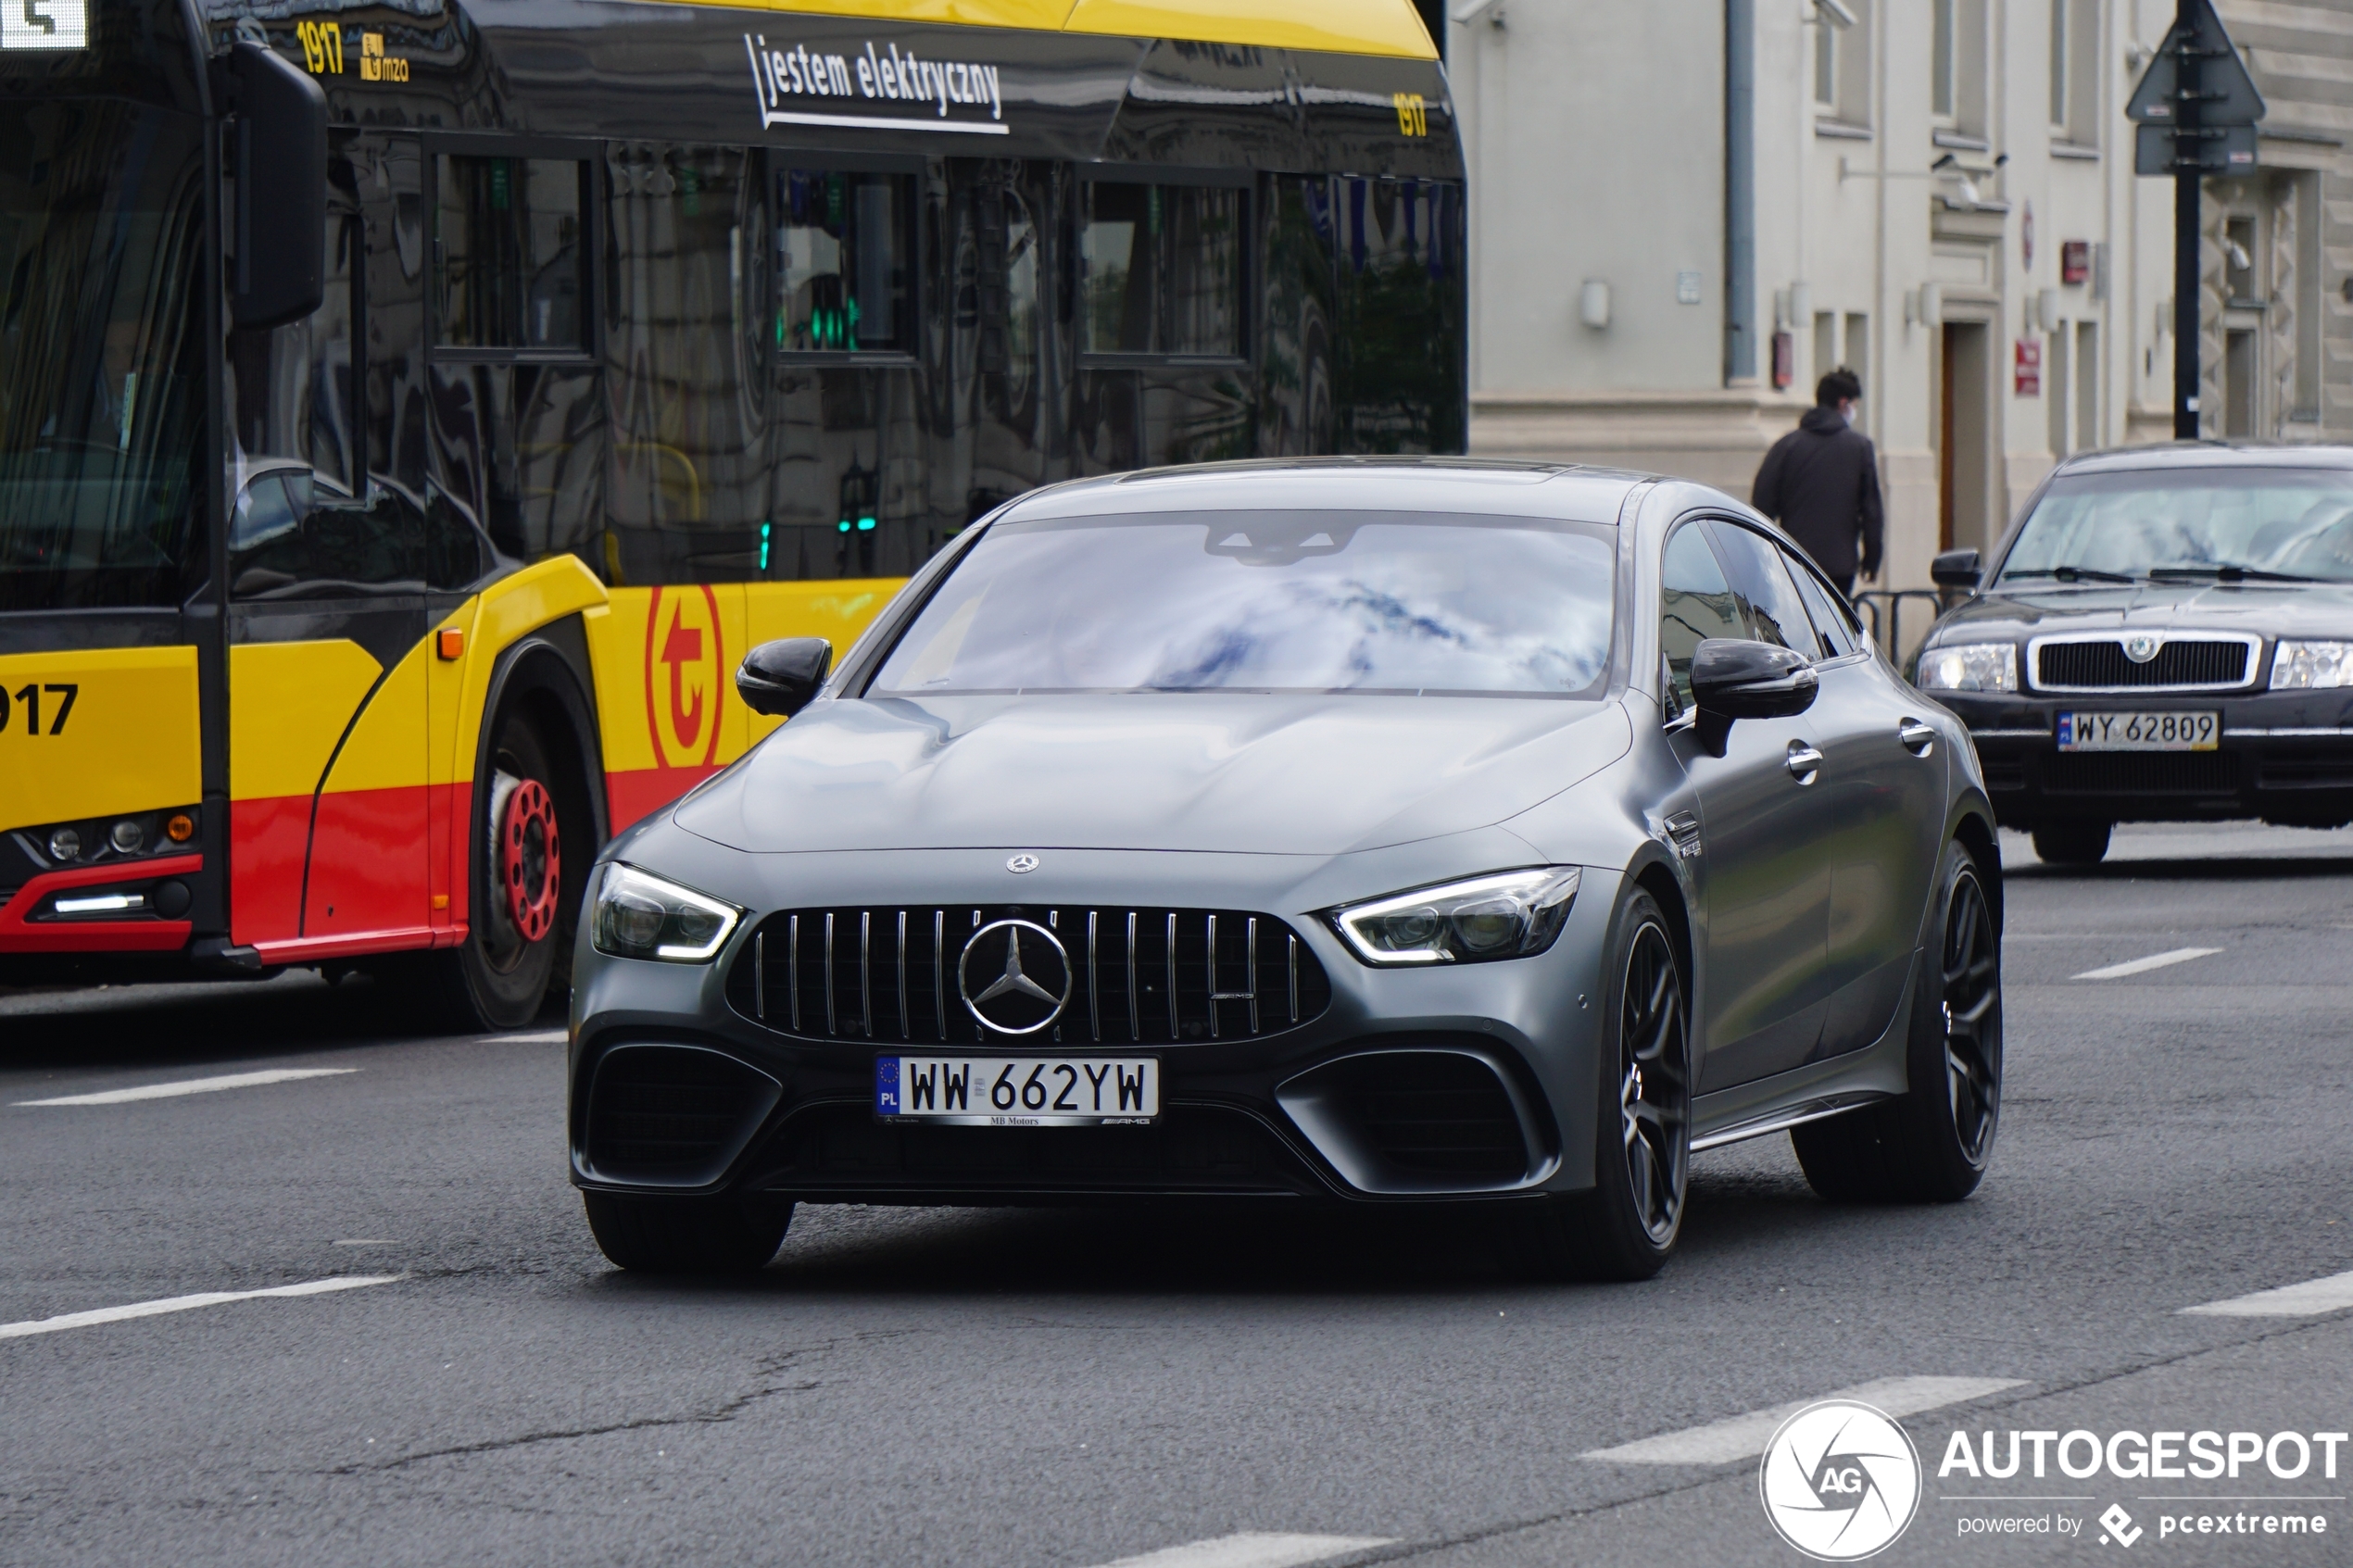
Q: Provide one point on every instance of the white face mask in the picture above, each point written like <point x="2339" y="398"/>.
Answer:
<point x="1848" y="415"/>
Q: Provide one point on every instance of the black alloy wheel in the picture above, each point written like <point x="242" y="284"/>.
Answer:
<point x="2071" y="843"/>
<point x="1625" y="1225"/>
<point x="1932" y="1142"/>
<point x="1654" y="1086"/>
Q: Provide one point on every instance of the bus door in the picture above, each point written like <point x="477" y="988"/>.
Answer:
<point x="328" y="575"/>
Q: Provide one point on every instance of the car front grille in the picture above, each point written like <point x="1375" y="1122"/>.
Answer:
<point x="2187" y="665"/>
<point x="1139" y="976"/>
<point x="2140" y="772"/>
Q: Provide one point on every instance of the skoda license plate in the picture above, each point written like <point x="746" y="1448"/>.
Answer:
<point x="2138" y="732"/>
<point x="1018" y="1091"/>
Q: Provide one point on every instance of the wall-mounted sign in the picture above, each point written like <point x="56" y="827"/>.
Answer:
<point x="44" y="24"/>
<point x="2075" y="261"/>
<point x="2026" y="380"/>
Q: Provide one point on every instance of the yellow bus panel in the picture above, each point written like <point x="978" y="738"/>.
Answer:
<point x="97" y="731"/>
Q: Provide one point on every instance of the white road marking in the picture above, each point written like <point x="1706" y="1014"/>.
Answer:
<point x="1253" y="1548"/>
<point x="196" y="1085"/>
<point x="543" y="1038"/>
<point x="1744" y="1436"/>
<point x="368" y="1241"/>
<point x="2307" y="1299"/>
<point x="187" y="1303"/>
<point x="2142" y="966"/>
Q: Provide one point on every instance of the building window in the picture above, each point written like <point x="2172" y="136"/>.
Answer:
<point x="509" y="252"/>
<point x="845" y="262"/>
<point x="1164" y="269"/>
<point x="1825" y="60"/>
<point x="1842" y="63"/>
<point x="1957" y="65"/>
<point x="1940" y="94"/>
<point x="2059" y="10"/>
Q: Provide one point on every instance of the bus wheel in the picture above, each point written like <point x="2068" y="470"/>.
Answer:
<point x="500" y="976"/>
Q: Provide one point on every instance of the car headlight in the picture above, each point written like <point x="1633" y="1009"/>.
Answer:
<point x="1508" y="915"/>
<point x="641" y="916"/>
<point x="2311" y="666"/>
<point x="1970" y="667"/>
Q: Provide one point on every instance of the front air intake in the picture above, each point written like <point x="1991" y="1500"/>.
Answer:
<point x="662" y="1115"/>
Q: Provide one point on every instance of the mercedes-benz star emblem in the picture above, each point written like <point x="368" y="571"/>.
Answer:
<point x="1015" y="976"/>
<point x="1021" y="863"/>
<point x="2141" y="648"/>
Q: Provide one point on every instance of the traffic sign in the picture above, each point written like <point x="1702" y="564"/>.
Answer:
<point x="2224" y="94"/>
<point x="2209" y="149"/>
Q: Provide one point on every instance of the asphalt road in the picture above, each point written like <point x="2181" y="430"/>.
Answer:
<point x="1004" y="1389"/>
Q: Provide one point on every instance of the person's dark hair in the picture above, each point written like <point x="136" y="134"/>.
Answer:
<point x="1840" y="382"/>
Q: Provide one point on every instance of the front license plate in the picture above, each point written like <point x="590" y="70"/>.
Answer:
<point x="1018" y="1091"/>
<point x="2138" y="732"/>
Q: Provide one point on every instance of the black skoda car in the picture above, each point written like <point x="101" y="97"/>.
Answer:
<point x="2166" y="634"/>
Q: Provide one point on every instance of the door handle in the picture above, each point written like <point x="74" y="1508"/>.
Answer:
<point x="1804" y="762"/>
<point x="1919" y="740"/>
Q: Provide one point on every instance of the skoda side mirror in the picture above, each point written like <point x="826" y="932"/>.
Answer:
<point x="278" y="161"/>
<point x="1732" y="678"/>
<point x="781" y="677"/>
<point x="1955" y="569"/>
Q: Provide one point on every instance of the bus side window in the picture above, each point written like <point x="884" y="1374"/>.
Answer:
<point x="1164" y="269"/>
<point x="510" y="254"/>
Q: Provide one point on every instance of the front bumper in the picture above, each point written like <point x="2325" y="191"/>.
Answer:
<point x="1468" y="1081"/>
<point x="2284" y="757"/>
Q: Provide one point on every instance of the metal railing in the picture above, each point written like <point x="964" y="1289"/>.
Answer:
<point x="1883" y="611"/>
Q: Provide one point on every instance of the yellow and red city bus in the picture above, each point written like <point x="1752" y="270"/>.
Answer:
<point x="411" y="411"/>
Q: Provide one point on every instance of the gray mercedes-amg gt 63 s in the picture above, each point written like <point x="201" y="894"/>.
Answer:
<point x="1355" y="831"/>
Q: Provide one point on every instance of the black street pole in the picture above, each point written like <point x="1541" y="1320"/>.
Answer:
<point x="2188" y="156"/>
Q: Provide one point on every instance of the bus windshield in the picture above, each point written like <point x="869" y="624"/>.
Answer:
<point x="100" y="360"/>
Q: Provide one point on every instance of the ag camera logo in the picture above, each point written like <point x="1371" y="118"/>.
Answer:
<point x="1840" y="1481"/>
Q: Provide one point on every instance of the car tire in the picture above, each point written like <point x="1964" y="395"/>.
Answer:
<point x="2071" y="843"/>
<point x="501" y="976"/>
<point x="1932" y="1144"/>
<point x="686" y="1235"/>
<point x="1626" y="1227"/>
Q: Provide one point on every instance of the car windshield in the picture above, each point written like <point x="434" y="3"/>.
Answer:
<point x="1319" y="601"/>
<point x="2224" y="523"/>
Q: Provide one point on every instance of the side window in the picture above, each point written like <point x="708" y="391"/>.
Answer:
<point x="508" y="237"/>
<point x="1164" y="269"/>
<point x="1696" y="603"/>
<point x="1763" y="587"/>
<point x="845" y="261"/>
<point x="1839" y="634"/>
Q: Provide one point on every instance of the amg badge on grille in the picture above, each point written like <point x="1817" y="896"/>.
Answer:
<point x="1015" y="976"/>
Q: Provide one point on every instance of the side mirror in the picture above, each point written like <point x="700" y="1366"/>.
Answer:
<point x="1955" y="569"/>
<point x="781" y="677"/>
<point x="280" y="164"/>
<point x="1732" y="678"/>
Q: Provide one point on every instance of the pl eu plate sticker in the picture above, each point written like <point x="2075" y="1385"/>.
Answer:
<point x="886" y="1086"/>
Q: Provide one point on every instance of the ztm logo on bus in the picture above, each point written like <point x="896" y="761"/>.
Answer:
<point x="683" y="672"/>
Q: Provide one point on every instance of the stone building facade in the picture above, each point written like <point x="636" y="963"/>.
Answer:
<point x="1684" y="211"/>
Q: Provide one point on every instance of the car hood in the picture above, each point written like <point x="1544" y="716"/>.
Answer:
<point x="1309" y="775"/>
<point x="2292" y="609"/>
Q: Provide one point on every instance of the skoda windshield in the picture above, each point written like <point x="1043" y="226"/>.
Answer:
<point x="2235" y="524"/>
<point x="1314" y="601"/>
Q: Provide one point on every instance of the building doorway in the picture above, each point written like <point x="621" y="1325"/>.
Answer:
<point x="1964" y="426"/>
<point x="2238" y="384"/>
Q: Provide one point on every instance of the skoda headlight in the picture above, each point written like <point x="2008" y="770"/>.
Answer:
<point x="1970" y="667"/>
<point x="640" y="916"/>
<point x="1508" y="915"/>
<point x="2311" y="666"/>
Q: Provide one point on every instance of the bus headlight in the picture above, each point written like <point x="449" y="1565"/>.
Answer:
<point x="639" y="915"/>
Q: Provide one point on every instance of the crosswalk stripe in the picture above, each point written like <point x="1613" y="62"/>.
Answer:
<point x="1744" y="1436"/>
<point x="195" y="1086"/>
<point x="187" y="1304"/>
<point x="1253" y="1548"/>
<point x="2307" y="1299"/>
<point x="2142" y="966"/>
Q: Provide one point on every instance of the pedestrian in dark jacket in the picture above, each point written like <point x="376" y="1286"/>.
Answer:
<point x="1820" y="483"/>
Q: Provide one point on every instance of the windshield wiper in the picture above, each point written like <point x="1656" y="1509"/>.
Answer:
<point x="2072" y="574"/>
<point x="2225" y="572"/>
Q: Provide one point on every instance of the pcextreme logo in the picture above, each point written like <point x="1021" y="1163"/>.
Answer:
<point x="684" y="668"/>
<point x="1840" y="1481"/>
